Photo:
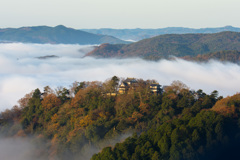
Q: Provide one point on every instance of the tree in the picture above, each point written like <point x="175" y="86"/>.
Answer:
<point x="63" y="94"/>
<point x="195" y="136"/>
<point x="219" y="131"/>
<point x="174" y="153"/>
<point x="76" y="86"/>
<point x="177" y="87"/>
<point x="156" y="156"/>
<point x="175" y="136"/>
<point x="32" y="111"/>
<point x="164" y="145"/>
<point x="207" y="102"/>
<point x="23" y="102"/>
<point x="214" y="94"/>
<point x="111" y="86"/>
<point x="50" y="101"/>
<point x="200" y="94"/>
<point x="37" y="94"/>
<point x="47" y="90"/>
<point x="115" y="81"/>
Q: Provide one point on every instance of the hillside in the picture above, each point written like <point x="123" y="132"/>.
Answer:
<point x="74" y="123"/>
<point x="139" y="34"/>
<point x="54" y="35"/>
<point x="207" y="135"/>
<point x="227" y="56"/>
<point x="165" y="46"/>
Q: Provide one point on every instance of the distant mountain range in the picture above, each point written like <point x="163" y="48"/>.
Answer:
<point x="139" y="34"/>
<point x="166" y="46"/>
<point x="54" y="35"/>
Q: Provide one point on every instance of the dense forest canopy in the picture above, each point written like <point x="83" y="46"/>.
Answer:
<point x="173" y="123"/>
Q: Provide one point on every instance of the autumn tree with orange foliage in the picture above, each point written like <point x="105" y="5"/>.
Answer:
<point x="23" y="102"/>
<point x="50" y="101"/>
<point x="228" y="106"/>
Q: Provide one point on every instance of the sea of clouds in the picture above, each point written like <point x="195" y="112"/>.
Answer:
<point x="21" y="72"/>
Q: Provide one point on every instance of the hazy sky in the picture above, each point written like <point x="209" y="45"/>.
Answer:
<point x="120" y="13"/>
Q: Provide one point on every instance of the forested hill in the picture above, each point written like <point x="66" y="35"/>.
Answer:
<point x="165" y="46"/>
<point x="139" y="34"/>
<point x="55" y="35"/>
<point x="226" y="56"/>
<point x="177" y="123"/>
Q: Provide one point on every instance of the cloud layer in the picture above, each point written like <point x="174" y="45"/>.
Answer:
<point x="22" y="149"/>
<point x="21" y="72"/>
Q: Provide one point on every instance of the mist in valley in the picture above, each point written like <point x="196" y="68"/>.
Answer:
<point x="21" y="71"/>
<point x="29" y="148"/>
<point x="16" y="148"/>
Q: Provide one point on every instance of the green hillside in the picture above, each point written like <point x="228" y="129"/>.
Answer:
<point x="165" y="46"/>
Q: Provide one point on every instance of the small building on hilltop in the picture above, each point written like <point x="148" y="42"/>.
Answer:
<point x="123" y="88"/>
<point x="129" y="83"/>
<point x="155" y="88"/>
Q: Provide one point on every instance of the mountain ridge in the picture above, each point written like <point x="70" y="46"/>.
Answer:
<point x="139" y="33"/>
<point x="54" y="35"/>
<point x="165" y="46"/>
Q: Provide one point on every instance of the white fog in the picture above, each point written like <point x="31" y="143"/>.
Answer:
<point x="21" y="72"/>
